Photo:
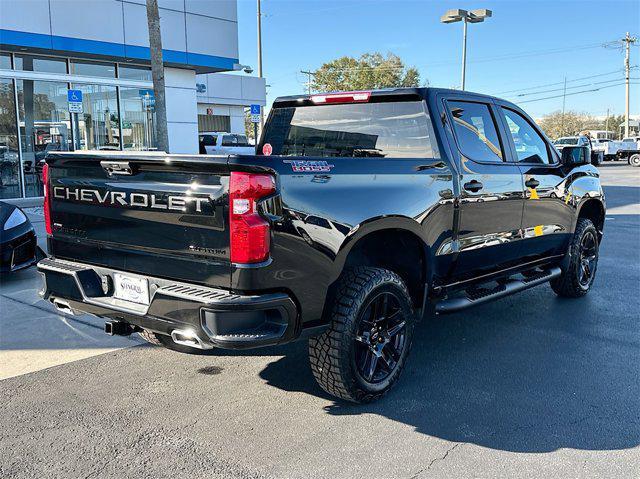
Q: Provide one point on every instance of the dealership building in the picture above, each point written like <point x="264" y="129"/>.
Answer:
<point x="49" y="48"/>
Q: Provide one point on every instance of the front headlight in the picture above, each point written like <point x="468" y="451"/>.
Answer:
<point x="15" y="219"/>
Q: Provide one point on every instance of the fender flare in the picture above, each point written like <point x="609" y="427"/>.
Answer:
<point x="374" y="225"/>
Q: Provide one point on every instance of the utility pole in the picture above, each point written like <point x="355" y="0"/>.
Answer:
<point x="309" y="74"/>
<point x="260" y="61"/>
<point x="464" y="53"/>
<point x="628" y="40"/>
<point x="157" y="72"/>
<point x="564" y="100"/>
<point x="606" y="124"/>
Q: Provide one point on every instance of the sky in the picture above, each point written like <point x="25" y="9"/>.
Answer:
<point x="523" y="53"/>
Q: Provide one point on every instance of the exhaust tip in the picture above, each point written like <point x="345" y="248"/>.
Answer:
<point x="63" y="306"/>
<point x="188" y="337"/>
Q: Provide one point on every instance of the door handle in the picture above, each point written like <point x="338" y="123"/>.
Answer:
<point x="531" y="183"/>
<point x="473" y="186"/>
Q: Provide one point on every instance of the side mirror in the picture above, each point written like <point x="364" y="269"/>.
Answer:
<point x="575" y="155"/>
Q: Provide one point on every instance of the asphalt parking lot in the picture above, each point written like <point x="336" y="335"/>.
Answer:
<point x="530" y="385"/>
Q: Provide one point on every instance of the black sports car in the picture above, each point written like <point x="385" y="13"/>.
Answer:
<point x="18" y="242"/>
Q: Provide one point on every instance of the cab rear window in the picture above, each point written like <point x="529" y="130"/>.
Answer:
<point x="379" y="130"/>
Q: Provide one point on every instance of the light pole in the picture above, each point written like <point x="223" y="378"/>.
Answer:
<point x="259" y="12"/>
<point x="458" y="15"/>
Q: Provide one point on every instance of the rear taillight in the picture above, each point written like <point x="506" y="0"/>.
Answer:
<point x="249" y="231"/>
<point x="47" y="200"/>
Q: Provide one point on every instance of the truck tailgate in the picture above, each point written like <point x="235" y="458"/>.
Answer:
<point x="154" y="214"/>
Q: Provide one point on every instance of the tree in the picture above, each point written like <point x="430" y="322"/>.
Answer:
<point x="370" y="71"/>
<point x="614" y="123"/>
<point x="249" y="126"/>
<point x="157" y="73"/>
<point x="569" y="123"/>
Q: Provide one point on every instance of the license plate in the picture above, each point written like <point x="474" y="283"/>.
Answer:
<point x="131" y="288"/>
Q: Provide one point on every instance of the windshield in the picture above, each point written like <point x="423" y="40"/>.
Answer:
<point x="383" y="130"/>
<point x="566" y="141"/>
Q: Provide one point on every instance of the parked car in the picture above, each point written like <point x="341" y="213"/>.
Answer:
<point x="216" y="143"/>
<point x="407" y="203"/>
<point x="18" y="241"/>
<point x="596" y="154"/>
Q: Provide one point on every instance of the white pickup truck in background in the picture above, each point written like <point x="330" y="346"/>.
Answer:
<point x="597" y="156"/>
<point x="220" y="143"/>
<point x="628" y="148"/>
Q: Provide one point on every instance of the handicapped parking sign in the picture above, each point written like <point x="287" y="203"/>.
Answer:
<point x="74" y="99"/>
<point x="255" y="109"/>
<point x="74" y="96"/>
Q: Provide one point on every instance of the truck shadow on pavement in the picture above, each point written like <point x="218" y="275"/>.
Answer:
<point x="502" y="379"/>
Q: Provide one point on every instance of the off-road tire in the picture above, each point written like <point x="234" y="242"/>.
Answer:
<point x="634" y="160"/>
<point x="150" y="337"/>
<point x="568" y="284"/>
<point x="331" y="354"/>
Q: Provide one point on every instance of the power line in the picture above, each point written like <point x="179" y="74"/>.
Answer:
<point x="620" y="70"/>
<point x="570" y="87"/>
<point x="537" y="53"/>
<point x="495" y="58"/>
<point x="574" y="93"/>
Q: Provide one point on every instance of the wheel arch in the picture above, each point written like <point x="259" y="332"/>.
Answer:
<point x="394" y="244"/>
<point x="594" y="210"/>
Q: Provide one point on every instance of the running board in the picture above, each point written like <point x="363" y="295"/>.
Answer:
<point x="482" y="295"/>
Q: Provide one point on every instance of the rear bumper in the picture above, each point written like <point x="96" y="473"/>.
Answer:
<point x="219" y="318"/>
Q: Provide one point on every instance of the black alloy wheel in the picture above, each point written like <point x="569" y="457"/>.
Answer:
<point x="588" y="258"/>
<point x="380" y="339"/>
<point x="576" y="280"/>
<point x="361" y="355"/>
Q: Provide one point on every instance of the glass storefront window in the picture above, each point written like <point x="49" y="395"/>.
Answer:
<point x="93" y="69"/>
<point x="40" y="64"/>
<point x="134" y="73"/>
<point x="138" y="132"/>
<point x="44" y="127"/>
<point x="98" y="126"/>
<point x="9" y="159"/>
<point x="35" y="118"/>
<point x="5" y="61"/>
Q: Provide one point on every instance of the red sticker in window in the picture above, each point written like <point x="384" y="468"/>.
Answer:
<point x="267" y="149"/>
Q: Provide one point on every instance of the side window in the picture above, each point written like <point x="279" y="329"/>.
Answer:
<point x="208" y="140"/>
<point x="530" y="146"/>
<point x="229" y="140"/>
<point x="476" y="131"/>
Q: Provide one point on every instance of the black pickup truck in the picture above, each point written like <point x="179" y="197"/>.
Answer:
<point x="360" y="214"/>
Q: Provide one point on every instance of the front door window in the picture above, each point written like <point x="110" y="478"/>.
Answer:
<point x="530" y="146"/>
